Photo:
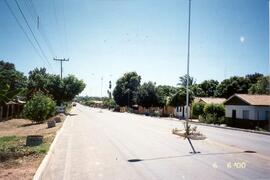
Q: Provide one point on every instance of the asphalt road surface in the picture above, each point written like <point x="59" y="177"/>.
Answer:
<point x="122" y="146"/>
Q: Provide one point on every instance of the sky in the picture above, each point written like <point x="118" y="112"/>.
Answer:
<point x="104" y="39"/>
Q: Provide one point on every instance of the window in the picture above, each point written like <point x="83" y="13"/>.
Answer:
<point x="245" y="114"/>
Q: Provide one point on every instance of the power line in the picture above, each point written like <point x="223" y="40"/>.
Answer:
<point x="23" y="30"/>
<point x="25" y="19"/>
<point x="35" y="17"/>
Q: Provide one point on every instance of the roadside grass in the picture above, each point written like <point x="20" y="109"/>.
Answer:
<point x="13" y="147"/>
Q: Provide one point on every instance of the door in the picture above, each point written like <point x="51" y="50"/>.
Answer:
<point x="234" y="114"/>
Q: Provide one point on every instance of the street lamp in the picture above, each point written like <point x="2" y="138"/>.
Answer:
<point x="188" y="56"/>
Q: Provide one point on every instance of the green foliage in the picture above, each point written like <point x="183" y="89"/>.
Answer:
<point x="37" y="81"/>
<point x="208" y="88"/>
<point x="39" y="108"/>
<point x="55" y="88"/>
<point x="197" y="109"/>
<point x="126" y="89"/>
<point x="261" y="87"/>
<point x="183" y="81"/>
<point x="147" y="96"/>
<point x="214" y="113"/>
<point x="13" y="147"/>
<point x="62" y="90"/>
<point x="179" y="98"/>
<point x="7" y="95"/>
<point x="233" y="85"/>
<point x="72" y="87"/>
<point x="11" y="77"/>
<point x="254" y="78"/>
<point x="164" y="94"/>
<point x="109" y="103"/>
<point x="217" y="109"/>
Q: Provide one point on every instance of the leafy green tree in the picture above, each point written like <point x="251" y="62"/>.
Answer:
<point x="197" y="90"/>
<point x="37" y="81"/>
<point x="208" y="87"/>
<point x="261" y="87"/>
<point x="72" y="87"/>
<point x="183" y="81"/>
<point x="254" y="78"/>
<point x="179" y="98"/>
<point x="147" y="96"/>
<point x="126" y="89"/>
<point x="233" y="85"/>
<point x="11" y="77"/>
<point x="39" y="108"/>
<point x="164" y="94"/>
<point x="7" y="95"/>
<point x="55" y="88"/>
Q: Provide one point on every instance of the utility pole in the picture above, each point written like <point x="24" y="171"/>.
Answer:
<point x="188" y="55"/>
<point x="61" y="63"/>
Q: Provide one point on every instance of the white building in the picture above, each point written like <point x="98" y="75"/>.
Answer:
<point x="248" y="107"/>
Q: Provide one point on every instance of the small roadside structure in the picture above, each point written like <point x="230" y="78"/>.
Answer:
<point x="248" y="107"/>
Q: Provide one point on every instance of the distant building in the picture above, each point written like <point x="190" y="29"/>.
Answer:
<point x="248" y="107"/>
<point x="210" y="100"/>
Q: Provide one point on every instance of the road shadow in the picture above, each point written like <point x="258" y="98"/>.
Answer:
<point x="188" y="155"/>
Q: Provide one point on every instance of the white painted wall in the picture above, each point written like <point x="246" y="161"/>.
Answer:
<point x="179" y="113"/>
<point x="255" y="112"/>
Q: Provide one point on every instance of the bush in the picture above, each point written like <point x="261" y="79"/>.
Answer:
<point x="214" y="114"/>
<point x="215" y="109"/>
<point x="197" y="109"/>
<point x="39" y="108"/>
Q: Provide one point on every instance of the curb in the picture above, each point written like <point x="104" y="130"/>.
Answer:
<point x="232" y="128"/>
<point x="44" y="162"/>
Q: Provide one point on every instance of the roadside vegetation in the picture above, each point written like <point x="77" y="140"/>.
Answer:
<point x="35" y="99"/>
<point x="130" y="93"/>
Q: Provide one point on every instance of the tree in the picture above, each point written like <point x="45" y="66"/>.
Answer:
<point x="179" y="98"/>
<point x="183" y="81"/>
<point x="261" y="87"/>
<point x="208" y="87"/>
<point x="254" y="78"/>
<point x="233" y="85"/>
<point x="55" y="88"/>
<point x="126" y="89"/>
<point x="7" y="95"/>
<point x="39" y="108"/>
<point x="147" y="96"/>
<point x="197" y="90"/>
<point x="37" y="81"/>
<point x="11" y="77"/>
<point x="71" y="87"/>
<point x="164" y="94"/>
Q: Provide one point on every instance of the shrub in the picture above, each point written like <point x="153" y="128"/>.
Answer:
<point x="216" y="109"/>
<point x="214" y="113"/>
<point x="39" y="108"/>
<point x="197" y="109"/>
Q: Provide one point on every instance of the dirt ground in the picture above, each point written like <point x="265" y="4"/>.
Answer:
<point x="24" y="168"/>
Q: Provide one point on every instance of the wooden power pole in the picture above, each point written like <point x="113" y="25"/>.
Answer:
<point x="61" y="63"/>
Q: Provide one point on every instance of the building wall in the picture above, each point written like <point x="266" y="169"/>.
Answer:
<point x="255" y="112"/>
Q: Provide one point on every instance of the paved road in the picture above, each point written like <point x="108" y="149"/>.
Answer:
<point x="121" y="146"/>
